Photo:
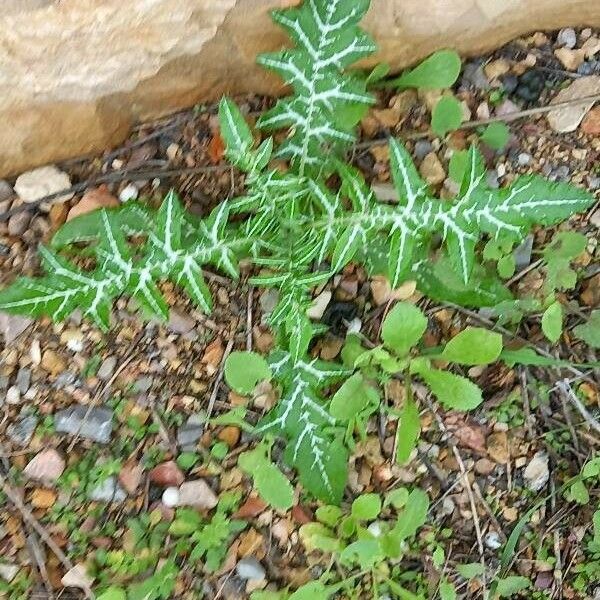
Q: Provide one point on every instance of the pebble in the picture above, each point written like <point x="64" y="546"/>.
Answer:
<point x="6" y="191"/>
<point x="591" y="123"/>
<point x="23" y="380"/>
<point x="522" y="253"/>
<point x="8" y="572"/>
<point x="191" y="431"/>
<point x="492" y="540"/>
<point x="108" y="491"/>
<point x="96" y="427"/>
<point x="568" y="119"/>
<point x="130" y="477"/>
<point x="92" y="200"/>
<point x="13" y="395"/>
<point x="129" y="192"/>
<point x="77" y="577"/>
<point x="107" y="368"/>
<point x="432" y="170"/>
<point x="506" y="108"/>
<point x="571" y="60"/>
<point x="167" y="474"/>
<point x="249" y="568"/>
<point x="319" y="305"/>
<point x="53" y="363"/>
<point x="197" y="493"/>
<point x="474" y="75"/>
<point x="180" y="324"/>
<point x="422" y="149"/>
<point x="22" y="431"/>
<point x="537" y="473"/>
<point x="18" y="223"/>
<point x="47" y="466"/>
<point x="524" y="159"/>
<point x="567" y="38"/>
<point x="12" y="326"/>
<point x="170" y="497"/>
<point x="143" y="384"/>
<point x="43" y="181"/>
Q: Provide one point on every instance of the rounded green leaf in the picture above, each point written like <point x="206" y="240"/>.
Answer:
<point x="552" y="322"/>
<point x="113" y="593"/>
<point x="453" y="391"/>
<point x="447" y="116"/>
<point x="474" y="346"/>
<point x="403" y="328"/>
<point x="366" y="507"/>
<point x="440" y="70"/>
<point x="274" y="487"/>
<point x="353" y="397"/>
<point x="496" y="136"/>
<point x="244" y="370"/>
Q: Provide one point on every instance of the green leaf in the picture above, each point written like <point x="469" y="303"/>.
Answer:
<point x="315" y="536"/>
<point x="578" y="492"/>
<point x="473" y="346"/>
<point x="235" y="133"/>
<point x="403" y="328"/>
<point x="496" y="135"/>
<point x="272" y="485"/>
<point x="352" y="398"/>
<point x="366" y="507"/>
<point x="552" y="322"/>
<point x="313" y="590"/>
<point x="440" y="70"/>
<point x="458" y="165"/>
<point x="447" y="116"/>
<point x="447" y="591"/>
<point x="379" y="72"/>
<point x="329" y="515"/>
<point x="509" y="586"/>
<point x="326" y="103"/>
<point x="470" y="570"/>
<point x="409" y="521"/>
<point x="529" y="357"/>
<point x="408" y="431"/>
<point x="453" y="391"/>
<point x="590" y="332"/>
<point x="565" y="245"/>
<point x="113" y="593"/>
<point x="245" y="370"/>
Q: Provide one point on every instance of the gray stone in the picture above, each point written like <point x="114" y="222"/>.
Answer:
<point x="23" y="380"/>
<point x="191" y="431"/>
<point x="6" y="191"/>
<point x="21" y="432"/>
<point x="422" y="149"/>
<point x="107" y="368"/>
<point x="8" y="572"/>
<point x="96" y="426"/>
<point x="18" y="223"/>
<point x="12" y="326"/>
<point x="522" y="253"/>
<point x="561" y="173"/>
<point x="13" y="395"/>
<point x="250" y="568"/>
<point x="524" y="159"/>
<point x="143" y="384"/>
<point x="492" y="179"/>
<point x="197" y="493"/>
<point x="108" y="491"/>
<point x="594" y="182"/>
<point x="567" y="38"/>
<point x="475" y="76"/>
<point x="180" y="324"/>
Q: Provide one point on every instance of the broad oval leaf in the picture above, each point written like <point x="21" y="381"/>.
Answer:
<point x="366" y="507"/>
<point x="245" y="370"/>
<point x="403" y="328"/>
<point x="447" y="116"/>
<point x="453" y="391"/>
<point x="440" y="70"/>
<point x="552" y="322"/>
<point x="353" y="397"/>
<point x="474" y="346"/>
<point x="408" y="431"/>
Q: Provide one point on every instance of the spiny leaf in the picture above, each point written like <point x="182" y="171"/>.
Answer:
<point x="326" y="104"/>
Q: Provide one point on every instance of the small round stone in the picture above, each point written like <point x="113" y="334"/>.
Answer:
<point x="170" y="497"/>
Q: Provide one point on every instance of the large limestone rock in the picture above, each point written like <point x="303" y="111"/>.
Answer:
<point x="75" y="74"/>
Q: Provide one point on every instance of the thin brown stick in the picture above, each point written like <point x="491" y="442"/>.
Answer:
<point x="539" y="110"/>
<point x="217" y="384"/>
<point x="28" y="517"/>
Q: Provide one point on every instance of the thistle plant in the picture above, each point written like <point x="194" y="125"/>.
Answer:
<point x="299" y="229"/>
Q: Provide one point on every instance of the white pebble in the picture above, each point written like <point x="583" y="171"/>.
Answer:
<point x="13" y="395"/>
<point x="170" y="497"/>
<point x="129" y="192"/>
<point x="493" y="541"/>
<point x="355" y="325"/>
